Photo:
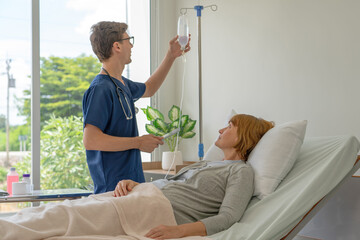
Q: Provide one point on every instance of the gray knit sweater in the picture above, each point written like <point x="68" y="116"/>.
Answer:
<point x="216" y="196"/>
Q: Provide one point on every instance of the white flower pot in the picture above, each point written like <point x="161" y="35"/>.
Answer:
<point x="168" y="158"/>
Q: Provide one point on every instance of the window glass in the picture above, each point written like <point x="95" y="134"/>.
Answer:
<point x="15" y="85"/>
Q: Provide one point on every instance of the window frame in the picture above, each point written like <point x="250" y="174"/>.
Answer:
<point x="154" y="58"/>
<point x="35" y="93"/>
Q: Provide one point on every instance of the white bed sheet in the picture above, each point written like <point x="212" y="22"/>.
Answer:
<point x="321" y="165"/>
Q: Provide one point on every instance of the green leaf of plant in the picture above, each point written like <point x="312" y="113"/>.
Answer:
<point x="153" y="130"/>
<point x="146" y="113"/>
<point x="188" y="134"/>
<point x="160" y="124"/>
<point x="189" y="126"/>
<point x="174" y="113"/>
<point x="184" y="120"/>
<point x="174" y="125"/>
<point x="153" y="114"/>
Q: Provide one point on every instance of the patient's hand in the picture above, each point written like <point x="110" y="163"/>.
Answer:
<point x="123" y="187"/>
<point x="165" y="232"/>
<point x="183" y="230"/>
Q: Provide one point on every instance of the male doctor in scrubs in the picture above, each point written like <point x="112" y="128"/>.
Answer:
<point x="111" y="136"/>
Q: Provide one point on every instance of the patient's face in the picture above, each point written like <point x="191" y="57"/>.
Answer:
<point x="228" y="137"/>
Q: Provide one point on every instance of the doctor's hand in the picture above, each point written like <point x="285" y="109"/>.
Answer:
<point x="175" y="48"/>
<point x="123" y="187"/>
<point x="149" y="142"/>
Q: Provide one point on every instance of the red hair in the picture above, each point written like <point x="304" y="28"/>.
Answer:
<point x="250" y="130"/>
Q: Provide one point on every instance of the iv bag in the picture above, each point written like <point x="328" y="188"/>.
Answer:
<point x="183" y="31"/>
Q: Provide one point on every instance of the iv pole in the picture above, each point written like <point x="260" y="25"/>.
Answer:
<point x="198" y="9"/>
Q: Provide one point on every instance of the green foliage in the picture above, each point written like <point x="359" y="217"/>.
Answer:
<point x="63" y="160"/>
<point x="3" y="174"/>
<point x="2" y="140"/>
<point x="23" y="166"/>
<point x="159" y="127"/>
<point x="15" y="132"/>
<point x="2" y="122"/>
<point x="63" y="83"/>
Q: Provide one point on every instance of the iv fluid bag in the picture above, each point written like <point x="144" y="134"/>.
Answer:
<point x="183" y="31"/>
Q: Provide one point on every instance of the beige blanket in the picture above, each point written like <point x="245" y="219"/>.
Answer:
<point x="96" y="217"/>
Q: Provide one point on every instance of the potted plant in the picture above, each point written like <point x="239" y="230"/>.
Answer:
<point x="159" y="127"/>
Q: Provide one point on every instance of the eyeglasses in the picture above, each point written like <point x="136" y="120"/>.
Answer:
<point x="131" y="40"/>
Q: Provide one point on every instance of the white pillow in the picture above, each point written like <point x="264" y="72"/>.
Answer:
<point x="273" y="157"/>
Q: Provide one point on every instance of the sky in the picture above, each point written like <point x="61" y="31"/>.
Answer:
<point x="64" y="31"/>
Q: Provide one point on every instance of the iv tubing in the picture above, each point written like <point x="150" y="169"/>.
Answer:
<point x="181" y="103"/>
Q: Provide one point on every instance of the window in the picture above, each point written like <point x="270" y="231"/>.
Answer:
<point x="15" y="69"/>
<point x="67" y="66"/>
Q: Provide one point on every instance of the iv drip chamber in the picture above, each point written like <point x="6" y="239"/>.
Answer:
<point x="183" y="31"/>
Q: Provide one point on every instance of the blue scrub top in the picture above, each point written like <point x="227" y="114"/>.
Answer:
<point x="101" y="108"/>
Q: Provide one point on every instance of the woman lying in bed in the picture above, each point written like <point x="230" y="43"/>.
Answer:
<point x="206" y="197"/>
<point x="209" y="197"/>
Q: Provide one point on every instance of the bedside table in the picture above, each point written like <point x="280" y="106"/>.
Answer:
<point x="153" y="170"/>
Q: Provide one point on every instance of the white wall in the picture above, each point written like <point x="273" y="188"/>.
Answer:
<point x="163" y="30"/>
<point x="279" y="60"/>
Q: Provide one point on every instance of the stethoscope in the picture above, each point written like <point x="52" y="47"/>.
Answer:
<point x="130" y="116"/>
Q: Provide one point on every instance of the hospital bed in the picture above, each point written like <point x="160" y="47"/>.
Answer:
<point x="323" y="165"/>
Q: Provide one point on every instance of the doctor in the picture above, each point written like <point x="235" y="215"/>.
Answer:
<point x="111" y="136"/>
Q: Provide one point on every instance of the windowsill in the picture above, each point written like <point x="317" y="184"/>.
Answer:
<point x="155" y="167"/>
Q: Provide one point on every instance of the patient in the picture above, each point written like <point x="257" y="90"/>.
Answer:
<point x="208" y="197"/>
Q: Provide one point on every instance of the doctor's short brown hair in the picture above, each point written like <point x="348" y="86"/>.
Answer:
<point x="103" y="35"/>
<point x="250" y="130"/>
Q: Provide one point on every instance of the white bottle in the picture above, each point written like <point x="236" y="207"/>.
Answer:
<point x="183" y="31"/>
<point x="26" y="178"/>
